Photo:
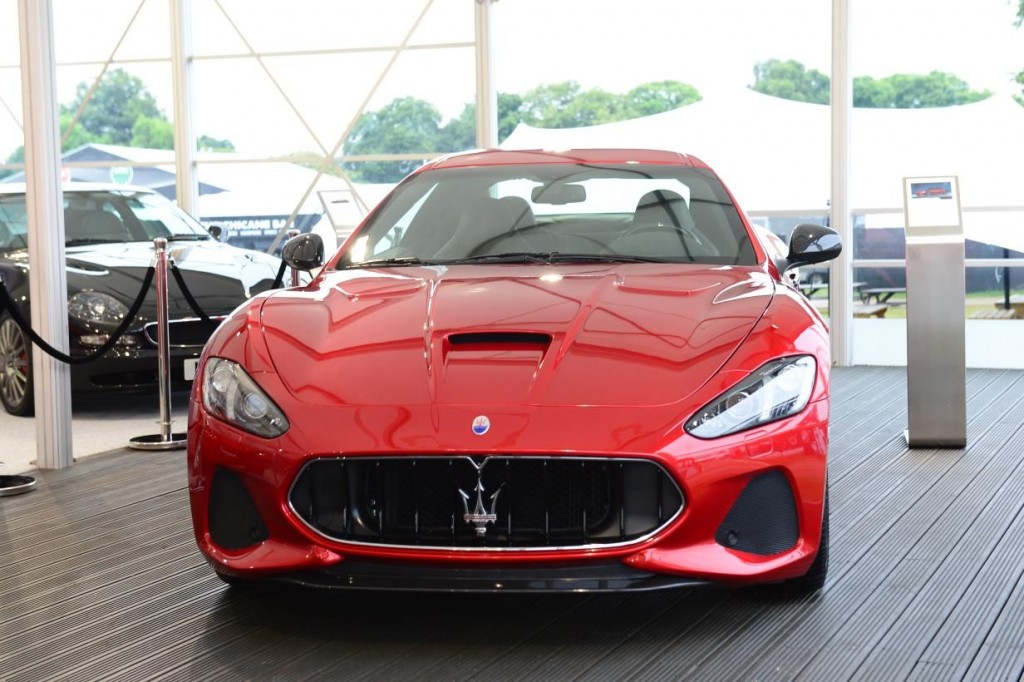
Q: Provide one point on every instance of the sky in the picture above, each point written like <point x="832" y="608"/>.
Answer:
<point x="611" y="44"/>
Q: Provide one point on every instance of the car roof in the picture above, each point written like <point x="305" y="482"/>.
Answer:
<point x="19" y="187"/>
<point x="503" y="157"/>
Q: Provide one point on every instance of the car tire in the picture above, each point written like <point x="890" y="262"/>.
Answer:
<point x="233" y="582"/>
<point x="814" y="579"/>
<point x="15" y="368"/>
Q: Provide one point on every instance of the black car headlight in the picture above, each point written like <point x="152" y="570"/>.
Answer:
<point x="776" y="390"/>
<point x="231" y="395"/>
<point x="93" y="307"/>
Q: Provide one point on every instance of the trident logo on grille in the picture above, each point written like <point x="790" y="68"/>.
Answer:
<point x="480" y="516"/>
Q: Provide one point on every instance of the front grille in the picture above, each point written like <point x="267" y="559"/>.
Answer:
<point x="185" y="333"/>
<point x="485" y="502"/>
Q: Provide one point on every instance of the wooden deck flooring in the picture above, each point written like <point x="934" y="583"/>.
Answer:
<point x="100" y="580"/>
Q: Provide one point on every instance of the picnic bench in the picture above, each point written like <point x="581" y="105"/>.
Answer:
<point x="880" y="294"/>
<point x="877" y="310"/>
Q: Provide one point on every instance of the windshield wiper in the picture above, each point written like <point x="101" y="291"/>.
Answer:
<point x="510" y="257"/>
<point x="189" y="237"/>
<point x="385" y="263"/>
<point x="553" y="257"/>
<point x="83" y="242"/>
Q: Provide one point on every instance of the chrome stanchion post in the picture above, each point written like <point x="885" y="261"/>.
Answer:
<point x="295" y="273"/>
<point x="165" y="440"/>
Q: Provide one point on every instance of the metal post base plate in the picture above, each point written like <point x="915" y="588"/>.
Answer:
<point x="177" y="441"/>
<point x="16" y="485"/>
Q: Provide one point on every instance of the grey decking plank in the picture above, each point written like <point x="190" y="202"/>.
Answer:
<point x="100" y="579"/>
<point x="856" y="581"/>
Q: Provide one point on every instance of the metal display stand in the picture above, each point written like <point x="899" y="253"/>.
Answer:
<point x="165" y="440"/>
<point x="936" y="328"/>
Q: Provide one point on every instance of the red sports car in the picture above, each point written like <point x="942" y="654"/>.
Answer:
<point x="526" y="370"/>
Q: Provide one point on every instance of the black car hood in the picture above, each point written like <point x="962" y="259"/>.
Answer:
<point x="219" y="276"/>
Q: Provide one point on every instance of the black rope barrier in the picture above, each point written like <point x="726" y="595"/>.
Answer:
<point x="7" y="303"/>
<point x="188" y="294"/>
<point x="279" y="280"/>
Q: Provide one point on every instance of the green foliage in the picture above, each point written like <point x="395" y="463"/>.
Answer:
<point x="118" y="101"/>
<point x="791" y="80"/>
<point x="654" y="98"/>
<point x="412" y="125"/>
<point x="120" y="111"/>
<point x="152" y="132"/>
<point x="914" y="91"/>
<point x="212" y="144"/>
<point x="403" y="126"/>
<point x="1020" y="76"/>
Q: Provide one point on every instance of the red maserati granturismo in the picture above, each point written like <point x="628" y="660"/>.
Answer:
<point x="526" y="370"/>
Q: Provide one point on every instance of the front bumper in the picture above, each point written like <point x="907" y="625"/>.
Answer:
<point x="130" y="369"/>
<point x="608" y="576"/>
<point x="706" y="543"/>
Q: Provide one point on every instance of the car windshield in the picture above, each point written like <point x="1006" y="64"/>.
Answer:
<point x="103" y="217"/>
<point x="554" y="213"/>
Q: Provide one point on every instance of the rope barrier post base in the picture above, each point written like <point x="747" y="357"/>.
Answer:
<point x="157" y="441"/>
<point x="16" y="485"/>
<point x="165" y="440"/>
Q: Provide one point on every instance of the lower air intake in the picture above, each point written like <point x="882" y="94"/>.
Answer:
<point x="234" y="521"/>
<point x="763" y="519"/>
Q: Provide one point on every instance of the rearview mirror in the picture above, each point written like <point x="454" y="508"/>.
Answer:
<point x="304" y="252"/>
<point x="559" y="194"/>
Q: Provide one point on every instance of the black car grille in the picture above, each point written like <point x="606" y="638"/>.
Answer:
<point x="523" y="502"/>
<point x="185" y="333"/>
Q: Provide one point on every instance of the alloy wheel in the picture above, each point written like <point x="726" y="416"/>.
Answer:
<point x="14" y="367"/>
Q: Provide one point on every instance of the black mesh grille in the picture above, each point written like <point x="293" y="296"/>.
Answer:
<point x="523" y="502"/>
<point x="763" y="520"/>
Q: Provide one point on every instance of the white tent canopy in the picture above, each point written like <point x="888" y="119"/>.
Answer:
<point x="774" y="153"/>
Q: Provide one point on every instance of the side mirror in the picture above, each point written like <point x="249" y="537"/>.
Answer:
<point x="216" y="231"/>
<point x="304" y="252"/>
<point x="811" y="244"/>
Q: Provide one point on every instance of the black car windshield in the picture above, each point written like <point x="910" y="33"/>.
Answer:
<point x="103" y="217"/>
<point x="554" y="213"/>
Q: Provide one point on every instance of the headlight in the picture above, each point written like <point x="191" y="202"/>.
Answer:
<point x="777" y="390"/>
<point x="93" y="307"/>
<point x="231" y="394"/>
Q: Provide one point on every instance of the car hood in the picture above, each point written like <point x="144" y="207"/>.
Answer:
<point x="625" y="334"/>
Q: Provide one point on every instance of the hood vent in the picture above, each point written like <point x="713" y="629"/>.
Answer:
<point x="499" y="338"/>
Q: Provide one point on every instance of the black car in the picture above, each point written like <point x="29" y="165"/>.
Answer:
<point x="109" y="232"/>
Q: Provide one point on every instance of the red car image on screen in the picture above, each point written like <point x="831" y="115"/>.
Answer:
<point x="525" y="371"/>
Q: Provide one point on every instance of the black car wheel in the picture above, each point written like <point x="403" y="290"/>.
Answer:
<point x="15" y="368"/>
<point x="814" y="579"/>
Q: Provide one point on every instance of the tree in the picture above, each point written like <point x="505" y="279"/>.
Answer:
<point x="402" y="126"/>
<point x="120" y="111"/>
<point x="656" y="97"/>
<point x="118" y="102"/>
<point x="413" y="125"/>
<point x="1020" y="76"/>
<point x="791" y="80"/>
<point x="152" y="132"/>
<point x="914" y="91"/>
<point x="212" y="144"/>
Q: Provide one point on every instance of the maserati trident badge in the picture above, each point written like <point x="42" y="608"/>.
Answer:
<point x="480" y="516"/>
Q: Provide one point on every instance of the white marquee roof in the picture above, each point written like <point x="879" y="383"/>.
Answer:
<point x="774" y="154"/>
